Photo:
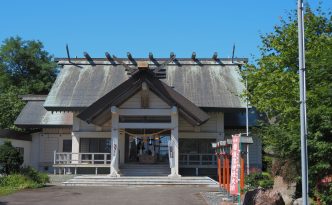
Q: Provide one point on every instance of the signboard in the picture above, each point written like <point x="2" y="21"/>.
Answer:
<point x="114" y="155"/>
<point x="171" y="153"/>
<point x="234" y="188"/>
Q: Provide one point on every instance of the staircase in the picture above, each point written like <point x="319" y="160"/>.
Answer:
<point x="98" y="180"/>
<point x="145" y="170"/>
<point x="139" y="174"/>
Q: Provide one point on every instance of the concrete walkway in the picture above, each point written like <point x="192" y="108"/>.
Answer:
<point x="146" y="195"/>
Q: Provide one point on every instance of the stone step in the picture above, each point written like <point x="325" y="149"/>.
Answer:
<point x="137" y="184"/>
<point x="145" y="170"/>
<point x="138" y="180"/>
<point x="127" y="181"/>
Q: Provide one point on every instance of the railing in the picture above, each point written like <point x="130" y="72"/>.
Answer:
<point x="63" y="158"/>
<point x="195" y="160"/>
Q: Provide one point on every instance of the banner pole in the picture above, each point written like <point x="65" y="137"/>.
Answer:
<point x="239" y="175"/>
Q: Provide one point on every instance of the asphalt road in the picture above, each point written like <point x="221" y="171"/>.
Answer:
<point x="146" y="195"/>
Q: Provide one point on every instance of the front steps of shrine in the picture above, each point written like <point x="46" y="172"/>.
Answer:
<point x="145" y="170"/>
<point x="104" y="180"/>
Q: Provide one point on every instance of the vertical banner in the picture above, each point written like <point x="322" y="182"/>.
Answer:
<point x="171" y="153"/>
<point x="114" y="155"/>
<point x="234" y="188"/>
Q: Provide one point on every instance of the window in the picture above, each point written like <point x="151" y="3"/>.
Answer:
<point x="196" y="146"/>
<point x="96" y="145"/>
<point x="66" y="146"/>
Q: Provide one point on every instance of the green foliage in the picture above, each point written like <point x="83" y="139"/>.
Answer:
<point x="28" y="178"/>
<point x="274" y="90"/>
<point x="15" y="182"/>
<point x="255" y="180"/>
<point x="34" y="175"/>
<point x="25" y="68"/>
<point x="10" y="159"/>
<point x="27" y="65"/>
<point x="10" y="107"/>
<point x="324" y="192"/>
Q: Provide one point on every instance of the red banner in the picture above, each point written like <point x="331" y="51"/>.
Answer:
<point x="234" y="188"/>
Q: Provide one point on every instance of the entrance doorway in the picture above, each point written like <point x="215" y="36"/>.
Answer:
<point x="146" y="146"/>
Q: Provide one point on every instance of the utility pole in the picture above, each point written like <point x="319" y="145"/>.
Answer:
<point x="303" y="114"/>
<point x="247" y="123"/>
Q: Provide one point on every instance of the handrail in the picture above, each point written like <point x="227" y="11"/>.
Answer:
<point x="197" y="159"/>
<point x="81" y="158"/>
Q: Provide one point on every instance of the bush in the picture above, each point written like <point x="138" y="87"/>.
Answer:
<point x="10" y="159"/>
<point x="15" y="182"/>
<point x="324" y="192"/>
<point x="255" y="180"/>
<point x="27" y="178"/>
<point x="34" y="175"/>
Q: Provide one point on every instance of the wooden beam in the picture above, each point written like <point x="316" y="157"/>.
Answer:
<point x="172" y="58"/>
<point x="146" y="125"/>
<point x="129" y="69"/>
<point x="193" y="56"/>
<point x="145" y="95"/>
<point x="172" y="55"/>
<point x="151" y="56"/>
<point x="108" y="56"/>
<point x="87" y="56"/>
<point x="215" y="56"/>
<point x="233" y="53"/>
<point x="68" y="54"/>
<point x="130" y="57"/>
<point x="145" y="112"/>
<point x="143" y="65"/>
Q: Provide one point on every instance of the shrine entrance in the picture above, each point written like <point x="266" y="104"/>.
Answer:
<point x="147" y="146"/>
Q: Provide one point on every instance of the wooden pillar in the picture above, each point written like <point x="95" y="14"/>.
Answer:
<point x="175" y="141"/>
<point x="242" y="174"/>
<point x="115" y="143"/>
<point x="75" y="145"/>
<point x="224" y="171"/>
<point x="75" y="148"/>
<point x="227" y="173"/>
<point x="219" y="169"/>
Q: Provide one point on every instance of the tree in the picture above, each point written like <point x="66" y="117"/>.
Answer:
<point x="27" y="64"/>
<point x="274" y="90"/>
<point x="10" y="106"/>
<point x="25" y="68"/>
<point x="10" y="159"/>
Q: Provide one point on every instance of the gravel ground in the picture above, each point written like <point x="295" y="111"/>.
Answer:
<point x="147" y="195"/>
<point x="58" y="179"/>
<point x="217" y="198"/>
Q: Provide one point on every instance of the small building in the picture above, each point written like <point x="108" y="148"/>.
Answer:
<point x="19" y="140"/>
<point x="110" y="115"/>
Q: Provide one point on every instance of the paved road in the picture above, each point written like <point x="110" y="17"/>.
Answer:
<point x="146" y="195"/>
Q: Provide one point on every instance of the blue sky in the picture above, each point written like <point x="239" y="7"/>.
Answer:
<point x="144" y="26"/>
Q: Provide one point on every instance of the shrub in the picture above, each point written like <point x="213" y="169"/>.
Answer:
<point x="255" y="180"/>
<point x="27" y="178"/>
<point x="324" y="192"/>
<point x="15" y="182"/>
<point x="34" y="175"/>
<point x="10" y="159"/>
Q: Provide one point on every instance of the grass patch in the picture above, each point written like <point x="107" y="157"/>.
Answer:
<point x="27" y="179"/>
<point x="256" y="180"/>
